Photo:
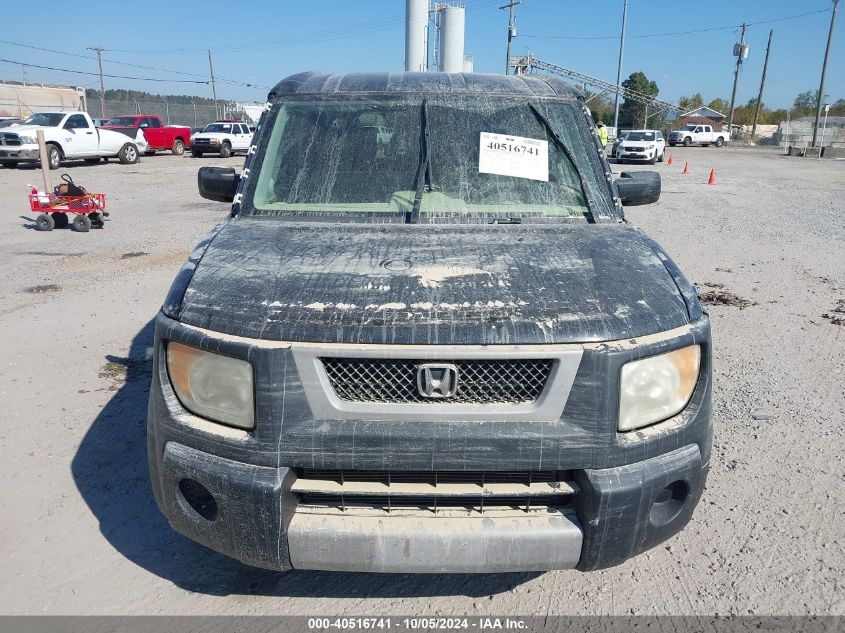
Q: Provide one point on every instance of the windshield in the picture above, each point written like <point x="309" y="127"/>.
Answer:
<point x="122" y="120"/>
<point x="690" y="128"/>
<point x="48" y="119"/>
<point x="487" y="157"/>
<point x="218" y="127"/>
<point x="640" y="136"/>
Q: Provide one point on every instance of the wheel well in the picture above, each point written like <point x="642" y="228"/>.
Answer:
<point x="59" y="147"/>
<point x="179" y="138"/>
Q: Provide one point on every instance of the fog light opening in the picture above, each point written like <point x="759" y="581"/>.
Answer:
<point x="199" y="498"/>
<point x="669" y="503"/>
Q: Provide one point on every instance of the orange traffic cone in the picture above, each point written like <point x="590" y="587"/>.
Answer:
<point x="669" y="162"/>
<point x="686" y="168"/>
<point x="712" y="179"/>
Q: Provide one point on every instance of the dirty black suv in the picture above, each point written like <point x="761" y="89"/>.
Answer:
<point x="427" y="340"/>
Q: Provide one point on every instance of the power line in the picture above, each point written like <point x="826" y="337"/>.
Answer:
<point x="325" y="35"/>
<point x="112" y="61"/>
<point x="83" y="72"/>
<point x="707" y="30"/>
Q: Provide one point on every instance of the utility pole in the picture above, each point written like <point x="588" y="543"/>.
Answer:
<point x="511" y="31"/>
<point x="99" y="52"/>
<point x="762" y="83"/>
<point x="739" y="51"/>
<point x="213" y="85"/>
<point x="820" y="99"/>
<point x="619" y="69"/>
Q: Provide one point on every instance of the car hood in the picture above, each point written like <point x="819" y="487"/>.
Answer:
<point x="426" y="284"/>
<point x="23" y="129"/>
<point x="217" y="135"/>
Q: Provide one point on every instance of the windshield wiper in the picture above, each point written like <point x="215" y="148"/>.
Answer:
<point x="423" y="171"/>
<point x="559" y="142"/>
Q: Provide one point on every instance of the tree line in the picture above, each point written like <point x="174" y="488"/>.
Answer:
<point x="138" y="95"/>
<point x="633" y="113"/>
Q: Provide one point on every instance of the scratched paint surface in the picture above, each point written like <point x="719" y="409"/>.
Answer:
<point x="353" y="283"/>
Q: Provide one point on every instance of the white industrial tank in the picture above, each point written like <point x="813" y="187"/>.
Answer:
<point x="416" y="34"/>
<point x="452" y="19"/>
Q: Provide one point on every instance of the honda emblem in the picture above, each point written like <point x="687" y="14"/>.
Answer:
<point x="437" y="380"/>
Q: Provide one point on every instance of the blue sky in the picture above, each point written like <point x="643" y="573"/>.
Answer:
<point x="260" y="42"/>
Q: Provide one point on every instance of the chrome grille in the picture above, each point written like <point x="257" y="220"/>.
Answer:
<point x="430" y="490"/>
<point x="511" y="381"/>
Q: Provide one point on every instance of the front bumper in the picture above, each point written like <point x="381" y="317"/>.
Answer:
<point x="633" y="490"/>
<point x="19" y="153"/>
<point x="619" y="513"/>
<point x="636" y="155"/>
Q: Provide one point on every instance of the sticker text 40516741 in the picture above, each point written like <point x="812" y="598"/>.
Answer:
<point x="514" y="156"/>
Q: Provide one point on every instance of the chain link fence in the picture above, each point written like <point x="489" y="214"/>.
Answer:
<point x="190" y="114"/>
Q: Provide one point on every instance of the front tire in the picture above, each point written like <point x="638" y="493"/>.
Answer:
<point x="687" y="141"/>
<point x="10" y="164"/>
<point x="225" y="150"/>
<point x="54" y="156"/>
<point x="178" y="147"/>
<point x="44" y="222"/>
<point x="128" y="154"/>
<point x="81" y="223"/>
<point x="196" y="154"/>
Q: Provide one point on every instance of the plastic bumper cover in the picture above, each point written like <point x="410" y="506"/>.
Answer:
<point x="619" y="512"/>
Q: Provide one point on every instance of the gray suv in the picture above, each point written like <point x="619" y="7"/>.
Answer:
<point x="427" y="340"/>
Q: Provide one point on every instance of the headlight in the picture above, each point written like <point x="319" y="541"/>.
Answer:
<point x="215" y="141"/>
<point x="650" y="147"/>
<point x="653" y="389"/>
<point x="28" y="140"/>
<point x="212" y="385"/>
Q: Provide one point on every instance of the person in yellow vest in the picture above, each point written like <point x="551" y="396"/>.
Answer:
<point x="602" y="132"/>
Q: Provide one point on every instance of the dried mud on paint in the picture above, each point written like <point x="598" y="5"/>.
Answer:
<point x="120" y="370"/>
<point x="717" y="296"/>
<point x="837" y="313"/>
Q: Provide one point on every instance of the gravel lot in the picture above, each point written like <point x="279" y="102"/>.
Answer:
<point x="79" y="530"/>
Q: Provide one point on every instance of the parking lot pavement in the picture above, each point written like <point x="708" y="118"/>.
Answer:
<point x="80" y="532"/>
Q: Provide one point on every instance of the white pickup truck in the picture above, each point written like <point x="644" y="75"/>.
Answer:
<point x="693" y="134"/>
<point x="69" y="136"/>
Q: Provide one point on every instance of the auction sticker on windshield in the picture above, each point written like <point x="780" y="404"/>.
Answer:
<point x="515" y="156"/>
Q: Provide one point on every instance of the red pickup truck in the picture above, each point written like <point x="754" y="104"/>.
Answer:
<point x="176" y="138"/>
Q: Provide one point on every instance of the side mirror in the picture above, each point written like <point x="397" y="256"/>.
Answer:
<point x="218" y="183"/>
<point x="638" y="187"/>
